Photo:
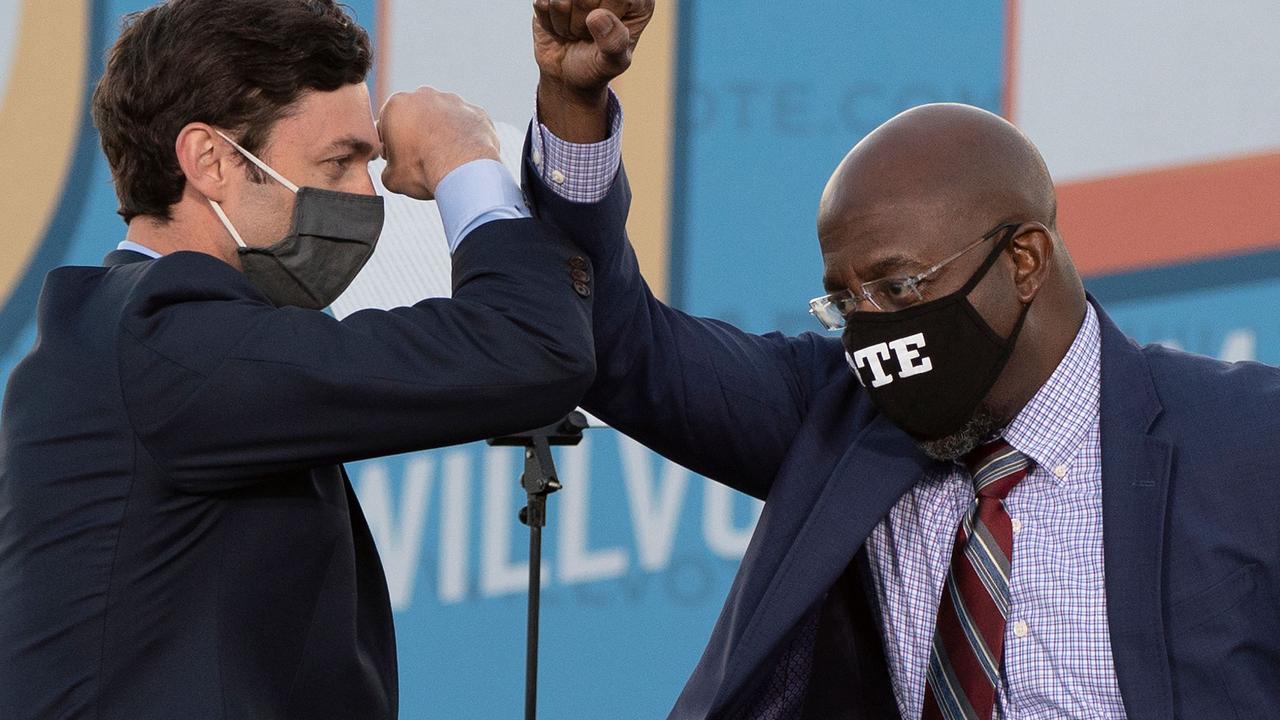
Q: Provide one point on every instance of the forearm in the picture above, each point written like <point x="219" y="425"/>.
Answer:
<point x="574" y="116"/>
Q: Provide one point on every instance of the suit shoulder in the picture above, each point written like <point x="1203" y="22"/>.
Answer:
<point x="184" y="276"/>
<point x="1238" y="397"/>
<point x="1192" y="374"/>
<point x="820" y="355"/>
<point x="189" y="307"/>
<point x="188" y="283"/>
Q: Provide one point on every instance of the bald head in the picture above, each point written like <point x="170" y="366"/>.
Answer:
<point x="953" y="166"/>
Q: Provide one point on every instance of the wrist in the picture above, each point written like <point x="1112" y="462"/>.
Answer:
<point x="578" y="96"/>
<point x="573" y="114"/>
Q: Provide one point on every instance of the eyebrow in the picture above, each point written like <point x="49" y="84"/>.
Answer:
<point x="354" y="145"/>
<point x="880" y="269"/>
<point x="891" y="265"/>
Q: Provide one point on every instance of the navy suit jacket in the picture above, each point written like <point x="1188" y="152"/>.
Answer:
<point x="1190" y="486"/>
<point x="177" y="537"/>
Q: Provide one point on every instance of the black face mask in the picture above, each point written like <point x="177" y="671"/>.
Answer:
<point x="929" y="366"/>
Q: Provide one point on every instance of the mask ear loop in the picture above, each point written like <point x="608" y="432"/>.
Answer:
<point x="226" y="223"/>
<point x="261" y="165"/>
<point x="991" y="260"/>
<point x="217" y="209"/>
<point x="982" y="272"/>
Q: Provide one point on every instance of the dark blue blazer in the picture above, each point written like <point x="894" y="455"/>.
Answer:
<point x="177" y="537"/>
<point x="1190" y="475"/>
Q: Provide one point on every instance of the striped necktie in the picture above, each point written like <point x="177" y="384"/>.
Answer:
<point x="968" y="640"/>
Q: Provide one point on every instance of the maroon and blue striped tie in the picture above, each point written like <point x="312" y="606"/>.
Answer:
<point x="968" y="640"/>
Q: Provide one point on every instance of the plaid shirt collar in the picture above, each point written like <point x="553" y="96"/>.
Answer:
<point x="1054" y="424"/>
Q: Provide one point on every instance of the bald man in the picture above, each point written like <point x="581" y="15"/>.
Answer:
<point x="981" y="499"/>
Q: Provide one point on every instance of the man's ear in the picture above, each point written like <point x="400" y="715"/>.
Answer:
<point x="206" y="160"/>
<point x="1032" y="251"/>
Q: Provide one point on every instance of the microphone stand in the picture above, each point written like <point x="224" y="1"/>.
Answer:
<point x="538" y="480"/>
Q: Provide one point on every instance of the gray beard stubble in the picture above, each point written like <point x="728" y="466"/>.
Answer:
<point x="979" y="427"/>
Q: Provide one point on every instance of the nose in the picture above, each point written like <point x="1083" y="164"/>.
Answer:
<point x="364" y="183"/>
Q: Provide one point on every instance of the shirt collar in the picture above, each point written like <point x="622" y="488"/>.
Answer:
<point x="1054" y="424"/>
<point x="135" y="247"/>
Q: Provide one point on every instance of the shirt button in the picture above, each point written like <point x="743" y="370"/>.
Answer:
<point x="537" y="158"/>
<point x="557" y="177"/>
<point x="1060" y="471"/>
<point x="1017" y="524"/>
<point x="1020" y="628"/>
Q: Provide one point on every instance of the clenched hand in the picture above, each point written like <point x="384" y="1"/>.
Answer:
<point x="581" y="45"/>
<point x="426" y="134"/>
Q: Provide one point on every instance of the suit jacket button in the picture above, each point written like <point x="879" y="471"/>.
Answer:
<point x="580" y="276"/>
<point x="582" y="289"/>
<point x="577" y="262"/>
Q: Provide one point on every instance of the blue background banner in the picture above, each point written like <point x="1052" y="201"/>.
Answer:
<point x="772" y="98"/>
<point x="640" y="552"/>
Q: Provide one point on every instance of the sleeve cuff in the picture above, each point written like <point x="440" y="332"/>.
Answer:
<point x="581" y="173"/>
<point x="476" y="193"/>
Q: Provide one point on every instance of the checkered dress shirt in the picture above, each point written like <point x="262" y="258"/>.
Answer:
<point x="1057" y="656"/>
<point x="1057" y="647"/>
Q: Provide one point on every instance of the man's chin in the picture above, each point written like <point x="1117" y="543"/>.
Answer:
<point x="981" y="426"/>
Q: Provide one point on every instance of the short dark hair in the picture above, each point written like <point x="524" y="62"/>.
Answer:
<point x="236" y="64"/>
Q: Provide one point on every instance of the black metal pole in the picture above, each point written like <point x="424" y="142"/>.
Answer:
<point x="538" y="480"/>
<point x="531" y="633"/>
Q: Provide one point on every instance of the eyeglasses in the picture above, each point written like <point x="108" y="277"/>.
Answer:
<point x="886" y="294"/>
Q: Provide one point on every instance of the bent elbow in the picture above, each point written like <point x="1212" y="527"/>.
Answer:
<point x="562" y="389"/>
<point x="582" y="376"/>
<point x="577" y="373"/>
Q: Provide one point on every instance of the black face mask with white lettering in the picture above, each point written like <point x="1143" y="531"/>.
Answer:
<point x="929" y="366"/>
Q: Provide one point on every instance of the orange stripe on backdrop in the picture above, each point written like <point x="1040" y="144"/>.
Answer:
<point x="1172" y="215"/>
<point x="40" y="117"/>
<point x="648" y="91"/>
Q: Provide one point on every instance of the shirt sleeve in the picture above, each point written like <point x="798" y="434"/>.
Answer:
<point x="578" y="172"/>
<point x="476" y="193"/>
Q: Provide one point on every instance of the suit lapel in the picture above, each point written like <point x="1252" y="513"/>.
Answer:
<point x="880" y="465"/>
<point x="1135" y="475"/>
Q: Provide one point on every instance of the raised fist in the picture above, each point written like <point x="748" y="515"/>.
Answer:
<point x="426" y="134"/>
<point x="581" y="45"/>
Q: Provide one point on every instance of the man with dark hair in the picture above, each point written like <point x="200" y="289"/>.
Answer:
<point x="178" y="538"/>
<point x="981" y="499"/>
<point x="246" y="72"/>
